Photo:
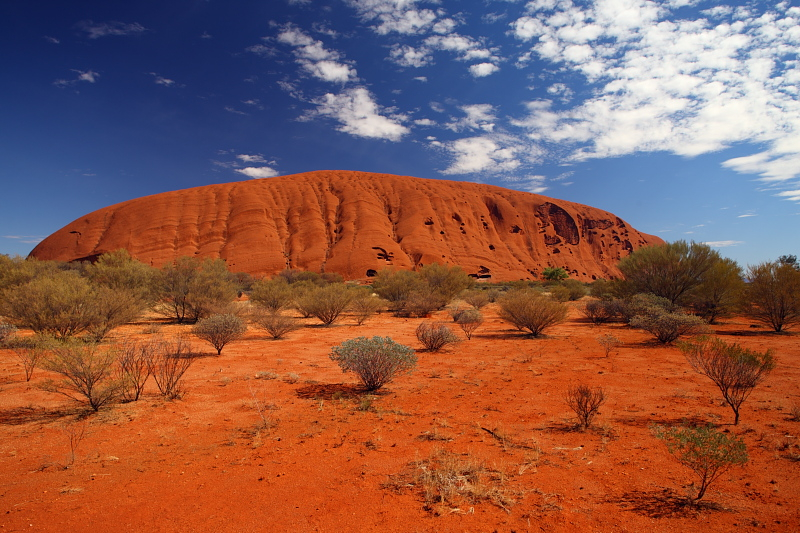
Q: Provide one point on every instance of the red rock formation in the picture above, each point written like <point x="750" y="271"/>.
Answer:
<point x="356" y="222"/>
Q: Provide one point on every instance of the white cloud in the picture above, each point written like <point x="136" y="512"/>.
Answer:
<point x="103" y="29"/>
<point x="481" y="70"/>
<point x="491" y="154"/>
<point x="246" y="158"/>
<point x="686" y="84"/>
<point x="258" y="172"/>
<point x="317" y="60"/>
<point x="394" y="16"/>
<point x="534" y="184"/>
<point x="88" y="76"/>
<point x="359" y="115"/>
<point x="160" y="80"/>
<point x="791" y="195"/>
<point x="722" y="244"/>
<point x="478" y="116"/>
<point x="408" y="56"/>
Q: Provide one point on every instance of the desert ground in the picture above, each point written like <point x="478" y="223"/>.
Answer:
<point x="272" y="436"/>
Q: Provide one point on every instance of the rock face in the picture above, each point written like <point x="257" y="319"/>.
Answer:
<point x="356" y="223"/>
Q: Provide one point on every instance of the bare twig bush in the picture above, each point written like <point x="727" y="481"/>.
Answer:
<point x="376" y="361"/>
<point x="469" y="321"/>
<point x="707" y="452"/>
<point x="136" y="359"/>
<point x="30" y="351"/>
<point x="599" y="311"/>
<point x="275" y="323"/>
<point x="75" y="433"/>
<point x="528" y="310"/>
<point x="585" y="402"/>
<point x="735" y="370"/>
<point x="608" y="342"/>
<point x="88" y="372"/>
<point x="435" y="335"/>
<point x="7" y="331"/>
<point x="170" y="363"/>
<point x="220" y="330"/>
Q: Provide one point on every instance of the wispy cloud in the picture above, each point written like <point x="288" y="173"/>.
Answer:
<point x="88" y="76"/>
<point x="667" y="82"/>
<point x="358" y="114"/>
<point x="311" y="54"/>
<point x="723" y="244"/>
<point x="258" y="172"/>
<point x="95" y="30"/>
<point x="26" y="239"/>
<point x="161" y="80"/>
<point x="395" y="16"/>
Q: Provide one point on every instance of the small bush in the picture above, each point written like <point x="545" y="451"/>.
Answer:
<point x="585" y="402"/>
<point x="329" y="302"/>
<point x="645" y="304"/>
<point x="704" y="450"/>
<point x="667" y="327"/>
<point x="135" y="365"/>
<point x="477" y="298"/>
<point x="599" y="311"/>
<point x="220" y="330"/>
<point x="435" y="336"/>
<point x="6" y="331"/>
<point x="555" y="273"/>
<point x="30" y="351"/>
<point x="735" y="370"/>
<point x="422" y="302"/>
<point x="376" y="361"/>
<point x="275" y="323"/>
<point x="559" y="293"/>
<point x="364" y="306"/>
<point x="170" y="363"/>
<point x="529" y="310"/>
<point x="88" y="372"/>
<point x="272" y="294"/>
<point x="469" y="321"/>
<point x="608" y="342"/>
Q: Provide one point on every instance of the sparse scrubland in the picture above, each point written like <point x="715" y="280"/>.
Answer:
<point x="555" y="414"/>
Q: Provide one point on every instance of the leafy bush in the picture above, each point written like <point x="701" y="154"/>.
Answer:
<point x="704" y="450"/>
<point x="667" y="327"/>
<point x="644" y="304"/>
<point x="272" y="294"/>
<point x="365" y="304"/>
<point x="555" y="273"/>
<point x="530" y="310"/>
<point x="189" y="289"/>
<point x="376" y="361"/>
<point x="585" y="402"/>
<point x="772" y="294"/>
<point x="735" y="370"/>
<point x="559" y="293"/>
<point x="720" y="292"/>
<point x="329" y="302"/>
<point x="599" y="311"/>
<point x="435" y="336"/>
<point x="395" y="286"/>
<point x="422" y="302"/>
<point x="88" y="372"/>
<point x="447" y="282"/>
<point x="469" y="321"/>
<point x="275" y="323"/>
<point x="220" y="330"/>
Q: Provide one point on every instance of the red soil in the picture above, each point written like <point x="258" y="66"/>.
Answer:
<point x="354" y="222"/>
<point x="201" y="463"/>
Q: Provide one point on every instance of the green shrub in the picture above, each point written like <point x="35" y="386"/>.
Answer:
<point x="329" y="302"/>
<point x="529" y="310"/>
<point x="365" y="304"/>
<point x="555" y="273"/>
<point x="275" y="323"/>
<point x="667" y="327"/>
<point x="735" y="370"/>
<point x="707" y="452"/>
<point x="189" y="289"/>
<point x="469" y="321"/>
<point x="772" y="294"/>
<point x="477" y="298"/>
<point x="220" y="330"/>
<point x="376" y="361"/>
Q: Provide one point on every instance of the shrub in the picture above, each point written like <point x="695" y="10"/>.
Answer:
<point x="376" y="361"/>
<point x="113" y="308"/>
<point x="189" y="289"/>
<point x="364" y="305"/>
<point x="469" y="321"/>
<point x="554" y="273"/>
<point x="29" y="350"/>
<point x="735" y="370"/>
<point x="395" y="286"/>
<point x="559" y="293"/>
<point x="275" y="323"/>
<point x="575" y="289"/>
<point x="170" y="362"/>
<point x="329" y="302"/>
<point x="585" y="402"/>
<point x="644" y="304"/>
<point x="272" y="294"/>
<point x="88" y="372"/>
<point x="667" y="327"/>
<point x="136" y="360"/>
<point x="529" y="310"/>
<point x="599" y="311"/>
<point x="719" y="293"/>
<point x="477" y="298"/>
<point x="7" y="331"/>
<point x="220" y="330"/>
<point x="447" y="282"/>
<point x="772" y="294"/>
<point x="608" y="342"/>
<point x="704" y="450"/>
<point x="422" y="302"/>
<point x="435" y="336"/>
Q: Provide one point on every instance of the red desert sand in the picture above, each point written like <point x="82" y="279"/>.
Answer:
<point x="272" y="436"/>
<point x="356" y="223"/>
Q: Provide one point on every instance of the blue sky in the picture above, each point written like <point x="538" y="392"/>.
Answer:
<point x="680" y="116"/>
